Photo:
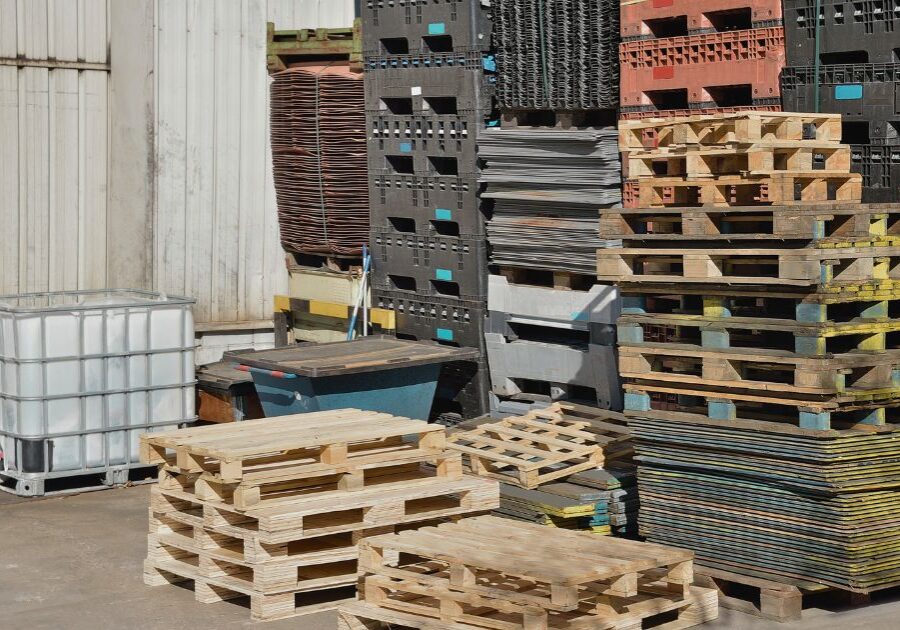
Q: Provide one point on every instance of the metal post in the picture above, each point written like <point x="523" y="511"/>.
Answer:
<point x="816" y="63"/>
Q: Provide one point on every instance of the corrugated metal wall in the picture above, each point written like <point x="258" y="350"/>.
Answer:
<point x="216" y="224"/>
<point x="214" y="220"/>
<point x="53" y="144"/>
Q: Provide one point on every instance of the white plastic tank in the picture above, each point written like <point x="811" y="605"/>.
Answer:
<point x="83" y="374"/>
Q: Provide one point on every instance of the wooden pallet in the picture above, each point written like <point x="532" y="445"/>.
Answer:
<point x="263" y="462"/>
<point x="363" y="616"/>
<point x="339" y="512"/>
<point x="738" y="190"/>
<point x="718" y="129"/>
<point x="818" y="222"/>
<point x="836" y="267"/>
<point x="292" y="46"/>
<point x="263" y="606"/>
<point x="774" y="372"/>
<point x="292" y="574"/>
<point x="469" y="573"/>
<point x="538" y="447"/>
<point x="695" y="403"/>
<point x="759" y="333"/>
<point x="756" y="160"/>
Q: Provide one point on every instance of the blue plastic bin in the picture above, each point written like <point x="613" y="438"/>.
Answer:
<point x="379" y="373"/>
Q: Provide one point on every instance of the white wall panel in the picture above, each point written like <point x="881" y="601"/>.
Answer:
<point x="211" y="222"/>
<point x="216" y="219"/>
<point x="289" y="14"/>
<point x="53" y="149"/>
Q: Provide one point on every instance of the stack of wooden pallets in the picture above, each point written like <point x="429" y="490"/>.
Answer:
<point x="273" y="509"/>
<point x="736" y="159"/>
<point x="551" y="464"/>
<point x="488" y="572"/>
<point x="759" y="349"/>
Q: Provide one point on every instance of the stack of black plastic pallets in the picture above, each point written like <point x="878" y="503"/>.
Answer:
<point x="858" y="46"/>
<point x="429" y="91"/>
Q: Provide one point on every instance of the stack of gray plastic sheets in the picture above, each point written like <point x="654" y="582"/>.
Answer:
<point x="548" y="187"/>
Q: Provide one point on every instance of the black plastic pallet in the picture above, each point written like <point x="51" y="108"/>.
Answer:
<point x="425" y="26"/>
<point x="860" y="31"/>
<point x="426" y="260"/>
<point x="880" y="168"/>
<point x="468" y="283"/>
<point x="439" y="205"/>
<point x="866" y="95"/>
<point x="445" y="320"/>
<point x="434" y="87"/>
<point x="449" y="135"/>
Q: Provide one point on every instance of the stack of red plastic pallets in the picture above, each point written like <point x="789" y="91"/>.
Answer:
<point x="683" y="57"/>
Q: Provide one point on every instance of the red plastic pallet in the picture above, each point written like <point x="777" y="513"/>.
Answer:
<point x="652" y="19"/>
<point x="739" y="68"/>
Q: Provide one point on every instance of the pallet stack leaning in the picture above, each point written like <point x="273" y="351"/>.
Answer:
<point x="758" y="349"/>
<point x="488" y="572"/>
<point x="273" y="509"/>
<point x="566" y="466"/>
<point x="429" y="85"/>
<point x="548" y="170"/>
<point x="682" y="57"/>
<point x="856" y="74"/>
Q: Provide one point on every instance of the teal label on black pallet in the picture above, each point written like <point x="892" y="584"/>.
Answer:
<point x="442" y="214"/>
<point x="848" y="92"/>
<point x="406" y="147"/>
<point x="437" y="28"/>
<point x="443" y="274"/>
<point x="444" y="334"/>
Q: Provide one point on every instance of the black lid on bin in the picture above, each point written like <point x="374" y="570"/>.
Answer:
<point x="366" y="354"/>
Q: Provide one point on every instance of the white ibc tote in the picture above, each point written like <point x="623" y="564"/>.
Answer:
<point x="83" y="374"/>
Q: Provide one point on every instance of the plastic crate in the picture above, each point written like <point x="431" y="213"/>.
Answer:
<point x="880" y="168"/>
<point x="451" y="135"/>
<point x="445" y="320"/>
<point x="860" y="31"/>
<point x="673" y="18"/>
<point x="425" y="26"/>
<point x="735" y="69"/>
<point x="430" y="260"/>
<point x="437" y="204"/>
<point x="866" y="95"/>
<point x="83" y="374"/>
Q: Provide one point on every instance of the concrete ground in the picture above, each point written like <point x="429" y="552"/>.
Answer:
<point x="74" y="563"/>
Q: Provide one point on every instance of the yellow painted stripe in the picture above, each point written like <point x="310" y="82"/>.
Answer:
<point x="282" y="303"/>
<point x="339" y="311"/>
